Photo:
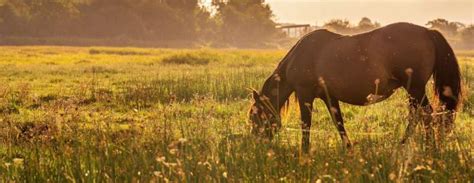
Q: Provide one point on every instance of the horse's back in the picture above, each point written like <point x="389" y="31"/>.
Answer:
<point x="352" y="66"/>
<point x="404" y="46"/>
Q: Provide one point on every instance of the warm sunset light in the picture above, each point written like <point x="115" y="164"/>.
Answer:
<point x="236" y="91"/>
<point x="384" y="11"/>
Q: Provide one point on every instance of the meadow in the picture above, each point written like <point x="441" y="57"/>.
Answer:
<point x="97" y="114"/>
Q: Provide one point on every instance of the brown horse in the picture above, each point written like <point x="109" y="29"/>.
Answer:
<point x="360" y="70"/>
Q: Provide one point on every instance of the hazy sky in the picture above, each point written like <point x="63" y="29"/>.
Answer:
<point x="383" y="11"/>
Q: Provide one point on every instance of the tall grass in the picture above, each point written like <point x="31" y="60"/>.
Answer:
<point x="112" y="115"/>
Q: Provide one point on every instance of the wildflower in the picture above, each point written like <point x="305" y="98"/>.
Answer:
<point x="224" y="175"/>
<point x="420" y="167"/>
<point x="157" y="174"/>
<point x="208" y="165"/>
<point x="183" y="140"/>
<point x="321" y="81"/>
<point x="371" y="98"/>
<point x="377" y="81"/>
<point x="429" y="161"/>
<point x="160" y="159"/>
<point x="277" y="77"/>
<point x="409" y="71"/>
<point x="254" y="110"/>
<point x="171" y="165"/>
<point x="447" y="91"/>
<point x="18" y="161"/>
<point x="173" y="151"/>
<point x="270" y="153"/>
<point x="392" y="176"/>
<point x="180" y="173"/>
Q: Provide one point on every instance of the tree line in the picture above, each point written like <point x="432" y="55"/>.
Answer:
<point x="459" y="35"/>
<point x="345" y="27"/>
<point x="241" y="23"/>
<point x="167" y="23"/>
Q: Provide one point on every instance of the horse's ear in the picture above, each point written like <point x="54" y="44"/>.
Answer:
<point x="255" y="96"/>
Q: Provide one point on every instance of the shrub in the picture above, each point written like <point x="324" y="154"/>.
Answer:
<point x="116" y="52"/>
<point x="188" y="58"/>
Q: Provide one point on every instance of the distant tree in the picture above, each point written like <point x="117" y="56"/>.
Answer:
<point x="339" y="26"/>
<point x="114" y="19"/>
<point x="196" y="19"/>
<point x="365" y="24"/>
<point x="52" y="17"/>
<point x="245" y="22"/>
<point x="467" y="36"/>
<point x="15" y="15"/>
<point x="443" y="25"/>
<point x="161" y="20"/>
<point x="37" y="17"/>
<point x="232" y="22"/>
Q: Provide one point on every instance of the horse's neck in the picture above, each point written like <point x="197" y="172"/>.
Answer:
<point x="275" y="87"/>
<point x="277" y="90"/>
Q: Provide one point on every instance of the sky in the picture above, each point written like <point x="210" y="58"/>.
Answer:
<point x="317" y="12"/>
<point x="383" y="11"/>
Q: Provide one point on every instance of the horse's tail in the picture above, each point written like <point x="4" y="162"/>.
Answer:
<point x="446" y="72"/>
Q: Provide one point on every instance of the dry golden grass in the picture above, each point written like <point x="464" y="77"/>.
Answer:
<point x="122" y="115"/>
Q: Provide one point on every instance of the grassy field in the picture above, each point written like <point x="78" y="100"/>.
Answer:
<point x="144" y="115"/>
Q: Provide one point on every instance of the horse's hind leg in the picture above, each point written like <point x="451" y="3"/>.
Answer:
<point x="336" y="115"/>
<point x="420" y="109"/>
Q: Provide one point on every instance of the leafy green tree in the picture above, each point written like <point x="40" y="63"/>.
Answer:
<point x="194" y="20"/>
<point x="245" y="22"/>
<point x="339" y="26"/>
<point x="52" y="17"/>
<point x="467" y="37"/>
<point x="145" y="19"/>
<point x="37" y="17"/>
<point x="111" y="19"/>
<point x="235" y="22"/>
<point x="15" y="18"/>
<point x="365" y="24"/>
<point x="443" y="25"/>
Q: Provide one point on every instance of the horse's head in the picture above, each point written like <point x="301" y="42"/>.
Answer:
<point x="263" y="116"/>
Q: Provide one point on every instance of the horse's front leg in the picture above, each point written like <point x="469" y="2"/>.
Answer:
<point x="336" y="115"/>
<point x="305" y="100"/>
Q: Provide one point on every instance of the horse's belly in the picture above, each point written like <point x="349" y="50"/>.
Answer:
<point x="363" y="93"/>
<point x="354" y="77"/>
<point x="363" y="100"/>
